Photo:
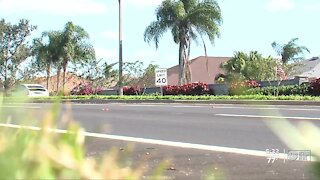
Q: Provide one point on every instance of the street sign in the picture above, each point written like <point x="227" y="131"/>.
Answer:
<point x="161" y="77"/>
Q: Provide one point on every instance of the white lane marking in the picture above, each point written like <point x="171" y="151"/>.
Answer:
<point x="159" y="142"/>
<point x="269" y="117"/>
<point x="266" y="108"/>
<point x="214" y="106"/>
<point x="218" y="106"/>
<point x="30" y="107"/>
<point x="155" y="105"/>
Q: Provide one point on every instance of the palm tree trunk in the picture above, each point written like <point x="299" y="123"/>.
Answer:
<point x="6" y="80"/>
<point x="181" y="80"/>
<point x="188" y="76"/>
<point x="64" y="74"/>
<point x="48" y="75"/>
<point x="58" y="78"/>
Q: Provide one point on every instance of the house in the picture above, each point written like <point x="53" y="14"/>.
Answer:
<point x="309" y="68"/>
<point x="72" y="81"/>
<point x="199" y="70"/>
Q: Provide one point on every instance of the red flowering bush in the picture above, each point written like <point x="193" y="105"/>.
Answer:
<point x="196" y="89"/>
<point x="131" y="90"/>
<point x="172" y="90"/>
<point x="85" y="89"/>
<point x="252" y="84"/>
<point x="188" y="89"/>
<point x="240" y="87"/>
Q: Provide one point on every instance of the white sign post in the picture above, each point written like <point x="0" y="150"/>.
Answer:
<point x="161" y="78"/>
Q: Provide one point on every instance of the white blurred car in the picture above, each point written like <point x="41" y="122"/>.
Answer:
<point x="32" y="90"/>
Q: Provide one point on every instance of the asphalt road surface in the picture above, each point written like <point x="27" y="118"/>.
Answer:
<point x="230" y="137"/>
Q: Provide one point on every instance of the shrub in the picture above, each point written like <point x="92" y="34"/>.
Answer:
<point x="314" y="88"/>
<point x="85" y="89"/>
<point x="193" y="89"/>
<point x="132" y="90"/>
<point x="198" y="88"/>
<point x="172" y="90"/>
<point x="280" y="90"/>
<point x="241" y="87"/>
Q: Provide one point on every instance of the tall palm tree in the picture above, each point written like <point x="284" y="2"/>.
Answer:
<point x="188" y="20"/>
<point x="46" y="52"/>
<point x="289" y="51"/>
<point x="75" y="47"/>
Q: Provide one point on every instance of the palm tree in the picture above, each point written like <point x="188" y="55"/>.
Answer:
<point x="248" y="66"/>
<point x="75" y="47"/>
<point x="188" y="20"/>
<point x="46" y="52"/>
<point x="289" y="51"/>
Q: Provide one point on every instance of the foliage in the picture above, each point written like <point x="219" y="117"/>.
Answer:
<point x="241" y="87"/>
<point x="85" y="89"/>
<point x="147" y="79"/>
<point x="14" y="49"/>
<point x="46" y="153"/>
<point x="96" y="72"/>
<point x="132" y="90"/>
<point x="133" y="71"/>
<point x="314" y="87"/>
<point x="172" y="90"/>
<point x="289" y="51"/>
<point x="194" y="89"/>
<point x="136" y="75"/>
<point x="46" y="53"/>
<point x="60" y="48"/>
<point x="302" y="90"/>
<point x="187" y="20"/>
<point x="92" y="98"/>
<point x="75" y="47"/>
<point x="252" y="66"/>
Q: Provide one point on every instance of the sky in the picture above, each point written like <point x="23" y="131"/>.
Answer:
<point x="248" y="25"/>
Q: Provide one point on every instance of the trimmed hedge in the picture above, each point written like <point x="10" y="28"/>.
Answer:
<point x="280" y="91"/>
<point x="132" y="90"/>
<point x="193" y="89"/>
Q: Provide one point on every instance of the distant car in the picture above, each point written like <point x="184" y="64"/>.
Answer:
<point x="31" y="90"/>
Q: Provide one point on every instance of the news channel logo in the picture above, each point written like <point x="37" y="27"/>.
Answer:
<point x="299" y="155"/>
<point x="288" y="155"/>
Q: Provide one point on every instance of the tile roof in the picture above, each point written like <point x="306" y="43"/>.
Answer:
<point x="309" y="68"/>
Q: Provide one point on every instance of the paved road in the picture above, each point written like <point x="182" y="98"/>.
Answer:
<point x="234" y="126"/>
<point x="237" y="126"/>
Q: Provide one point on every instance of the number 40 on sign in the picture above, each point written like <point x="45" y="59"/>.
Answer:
<point x="161" y="77"/>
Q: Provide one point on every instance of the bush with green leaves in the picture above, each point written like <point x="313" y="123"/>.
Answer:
<point x="241" y="87"/>
<point x="302" y="90"/>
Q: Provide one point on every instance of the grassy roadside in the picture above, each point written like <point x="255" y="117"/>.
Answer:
<point x="150" y="97"/>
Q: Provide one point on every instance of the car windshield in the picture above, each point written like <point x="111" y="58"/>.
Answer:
<point x="35" y="87"/>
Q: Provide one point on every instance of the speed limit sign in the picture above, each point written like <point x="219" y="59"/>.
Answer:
<point x="161" y="77"/>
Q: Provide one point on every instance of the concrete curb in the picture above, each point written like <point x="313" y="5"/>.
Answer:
<point x="248" y="102"/>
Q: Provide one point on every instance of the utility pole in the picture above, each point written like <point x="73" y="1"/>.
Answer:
<point x="120" y="83"/>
